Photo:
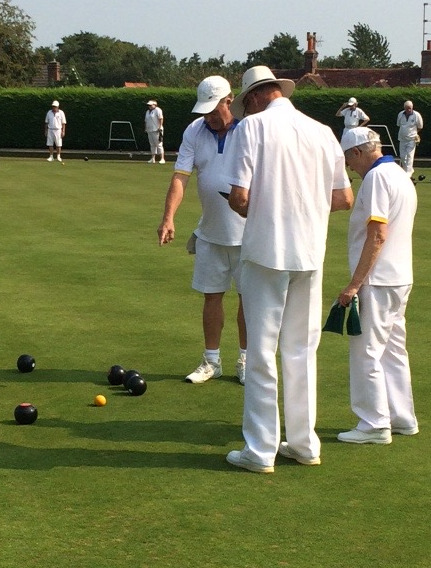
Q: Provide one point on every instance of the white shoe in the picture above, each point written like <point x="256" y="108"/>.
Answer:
<point x="240" y="369"/>
<point x="381" y="436"/>
<point x="59" y="159"/>
<point x="50" y="159"/>
<point x="206" y="370"/>
<point x="162" y="162"/>
<point x="238" y="459"/>
<point x="405" y="431"/>
<point x="287" y="452"/>
<point x="152" y="161"/>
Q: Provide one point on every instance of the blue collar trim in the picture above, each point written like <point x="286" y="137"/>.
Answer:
<point x="382" y="160"/>
<point x="221" y="141"/>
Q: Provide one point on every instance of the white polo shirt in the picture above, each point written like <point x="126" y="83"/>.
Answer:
<point x="388" y="195"/>
<point x="409" y="125"/>
<point x="201" y="149"/>
<point x="152" y="119"/>
<point x="290" y="163"/>
<point x="55" y="120"/>
<point x="352" y="117"/>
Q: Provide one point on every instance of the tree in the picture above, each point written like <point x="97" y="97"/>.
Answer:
<point x="18" y="63"/>
<point x="346" y="60"/>
<point x="371" y="47"/>
<point x="281" y="53"/>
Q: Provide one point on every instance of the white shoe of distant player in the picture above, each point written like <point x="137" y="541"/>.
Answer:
<point x="152" y="161"/>
<point x="162" y="162"/>
<point x="50" y="159"/>
<point x="240" y="369"/>
<point x="206" y="370"/>
<point x="59" y="159"/>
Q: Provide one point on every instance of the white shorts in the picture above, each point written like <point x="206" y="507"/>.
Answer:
<point x="54" y="137"/>
<point x="215" y="268"/>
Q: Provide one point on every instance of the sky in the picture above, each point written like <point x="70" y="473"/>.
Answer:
<point x="232" y="28"/>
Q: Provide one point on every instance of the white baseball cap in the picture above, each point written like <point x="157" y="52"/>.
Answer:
<point x="358" y="136"/>
<point x="55" y="104"/>
<point x="154" y="103"/>
<point x="210" y="92"/>
<point x="352" y="101"/>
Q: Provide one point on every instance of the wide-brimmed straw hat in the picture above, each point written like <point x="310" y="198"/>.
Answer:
<point x="254" y="77"/>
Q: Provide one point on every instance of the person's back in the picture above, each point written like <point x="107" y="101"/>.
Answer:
<point x="294" y="188"/>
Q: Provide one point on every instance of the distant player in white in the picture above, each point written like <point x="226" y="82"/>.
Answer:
<point x="380" y="258"/>
<point x="154" y="129"/>
<point x="55" y="130"/>
<point x="352" y="114"/>
<point x="410" y="123"/>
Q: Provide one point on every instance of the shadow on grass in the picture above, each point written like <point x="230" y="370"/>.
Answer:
<point x="25" y="458"/>
<point x="212" y="433"/>
<point x="71" y="376"/>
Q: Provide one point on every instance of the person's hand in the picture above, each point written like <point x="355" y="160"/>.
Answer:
<point x="166" y="233"/>
<point x="346" y="295"/>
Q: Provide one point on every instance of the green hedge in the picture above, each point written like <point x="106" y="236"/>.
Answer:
<point x="89" y="112"/>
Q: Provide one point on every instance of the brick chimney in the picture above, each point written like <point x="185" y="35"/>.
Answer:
<point x="53" y="72"/>
<point x="311" y="54"/>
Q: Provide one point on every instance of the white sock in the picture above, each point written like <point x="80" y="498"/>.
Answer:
<point x="212" y="355"/>
<point x="242" y="352"/>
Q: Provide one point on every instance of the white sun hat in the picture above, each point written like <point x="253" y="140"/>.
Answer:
<point x="254" y="77"/>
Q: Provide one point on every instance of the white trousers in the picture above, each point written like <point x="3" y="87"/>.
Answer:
<point x="380" y="380"/>
<point x="407" y="155"/>
<point x="155" y="145"/>
<point x="282" y="310"/>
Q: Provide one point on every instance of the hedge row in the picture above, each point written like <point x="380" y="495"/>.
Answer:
<point x="89" y="113"/>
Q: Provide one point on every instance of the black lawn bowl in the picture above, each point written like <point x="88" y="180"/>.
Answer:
<point x="25" y="363"/>
<point x="421" y="177"/>
<point x="116" y="374"/>
<point x="136" y="385"/>
<point x="128" y="375"/>
<point x="25" y="413"/>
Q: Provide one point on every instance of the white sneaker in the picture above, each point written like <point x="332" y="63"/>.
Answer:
<point x="206" y="370"/>
<point x="238" y="459"/>
<point x="162" y="162"/>
<point x="355" y="436"/>
<point x="240" y="369"/>
<point x="50" y="159"/>
<point x="152" y="161"/>
<point x="287" y="452"/>
<point x="59" y="159"/>
<point x="405" y="431"/>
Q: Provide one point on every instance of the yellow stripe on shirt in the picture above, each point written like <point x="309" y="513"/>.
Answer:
<point x="378" y="219"/>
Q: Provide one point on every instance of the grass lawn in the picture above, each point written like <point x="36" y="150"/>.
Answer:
<point x="143" y="482"/>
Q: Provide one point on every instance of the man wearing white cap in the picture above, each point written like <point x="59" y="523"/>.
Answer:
<point x="217" y="239"/>
<point x="154" y="130"/>
<point x="410" y="123"/>
<point x="380" y="259"/>
<point x="352" y="114"/>
<point x="55" y="129"/>
<point x="287" y="173"/>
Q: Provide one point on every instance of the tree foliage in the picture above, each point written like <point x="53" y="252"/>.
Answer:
<point x="281" y="53"/>
<point x="18" y="62"/>
<point x="370" y="47"/>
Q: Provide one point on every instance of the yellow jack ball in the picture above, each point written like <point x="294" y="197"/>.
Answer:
<point x="100" y="400"/>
